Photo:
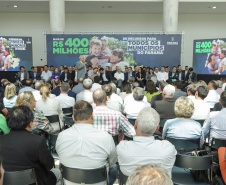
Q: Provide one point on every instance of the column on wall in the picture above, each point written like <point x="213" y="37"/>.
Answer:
<point x="170" y="15"/>
<point x="57" y="15"/>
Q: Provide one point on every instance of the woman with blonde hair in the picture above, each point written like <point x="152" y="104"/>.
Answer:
<point x="40" y="122"/>
<point x="10" y="96"/>
<point x="49" y="106"/>
<point x="183" y="127"/>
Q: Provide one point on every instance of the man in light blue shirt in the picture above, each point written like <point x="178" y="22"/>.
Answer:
<point x="46" y="74"/>
<point x="215" y="124"/>
<point x="28" y="87"/>
<point x="144" y="149"/>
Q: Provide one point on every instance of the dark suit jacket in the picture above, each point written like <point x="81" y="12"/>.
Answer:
<point x="175" y="76"/>
<point x="165" y="108"/>
<point x="154" y="99"/>
<point x="38" y="75"/>
<point x="108" y="75"/>
<point x="126" y="76"/>
<point x="182" y="75"/>
<point x="21" y="150"/>
<point x="63" y="76"/>
<point x="193" y="77"/>
<point x="178" y="93"/>
<point x="26" y="75"/>
<point x="72" y="75"/>
<point x="56" y="91"/>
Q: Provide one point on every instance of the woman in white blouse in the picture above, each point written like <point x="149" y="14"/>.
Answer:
<point x="49" y="106"/>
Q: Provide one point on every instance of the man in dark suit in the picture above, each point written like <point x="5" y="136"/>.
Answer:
<point x="65" y="76"/>
<point x="165" y="107"/>
<point x="22" y="74"/>
<point x="191" y="76"/>
<point x="181" y="74"/>
<point x="21" y="150"/>
<point x="130" y="73"/>
<point x="174" y="74"/>
<point x="35" y="75"/>
<point x="105" y="75"/>
<point x="70" y="70"/>
<point x="158" y="97"/>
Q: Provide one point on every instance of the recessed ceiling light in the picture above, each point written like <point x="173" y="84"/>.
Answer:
<point x="15" y="6"/>
<point x="214" y="7"/>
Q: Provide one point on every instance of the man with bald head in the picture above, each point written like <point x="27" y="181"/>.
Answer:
<point x="81" y="68"/>
<point x="109" y="120"/>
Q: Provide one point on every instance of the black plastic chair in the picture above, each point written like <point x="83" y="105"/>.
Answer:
<point x="132" y="121"/>
<point x="217" y="143"/>
<point x="200" y="121"/>
<point x="182" y="176"/>
<point x="68" y="121"/>
<point x="67" y="111"/>
<point x="20" y="177"/>
<point x="184" y="144"/>
<point x="122" y="178"/>
<point x="88" y="176"/>
<point x="162" y="122"/>
<point x="54" y="119"/>
<point x="52" y="143"/>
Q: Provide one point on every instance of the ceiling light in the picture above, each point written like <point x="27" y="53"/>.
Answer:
<point x="15" y="6"/>
<point x="214" y="7"/>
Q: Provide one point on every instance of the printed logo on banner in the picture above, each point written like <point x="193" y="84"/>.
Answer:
<point x="172" y="42"/>
<point x="28" y="41"/>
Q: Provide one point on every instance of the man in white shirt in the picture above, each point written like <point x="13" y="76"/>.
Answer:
<point x="213" y="96"/>
<point x="144" y="149"/>
<point x="115" y="97"/>
<point x="133" y="108"/>
<point x="191" y="90"/>
<point x="119" y="75"/>
<point x="130" y="97"/>
<point x="162" y="75"/>
<point x="65" y="100"/>
<point x="92" y="73"/>
<point x="46" y="74"/>
<point x="224" y="83"/>
<point x="202" y="108"/>
<point x="86" y="94"/>
<point x="96" y="84"/>
<point x="83" y="146"/>
<point x="36" y="93"/>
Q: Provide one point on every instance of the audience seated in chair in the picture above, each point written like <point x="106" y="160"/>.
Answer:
<point x="83" y="146"/>
<point x="183" y="127"/>
<point x="202" y="108"/>
<point x="178" y="92"/>
<point x="36" y="93"/>
<point x="149" y="174"/>
<point x="79" y="87"/>
<point x="133" y="108"/>
<point x="28" y="86"/>
<point x="215" y="124"/>
<point x="159" y="96"/>
<point x="22" y="150"/>
<point x="165" y="107"/>
<point x="107" y="119"/>
<point x="40" y="122"/>
<point x="49" y="106"/>
<point x="65" y="100"/>
<point x="191" y="90"/>
<point x="126" y="90"/>
<point x="10" y="96"/>
<point x="150" y="90"/>
<point x="213" y="96"/>
<point x="144" y="149"/>
<point x="96" y="84"/>
<point x="86" y="94"/>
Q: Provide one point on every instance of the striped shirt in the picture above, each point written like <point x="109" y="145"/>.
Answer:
<point x="215" y="124"/>
<point x="112" y="121"/>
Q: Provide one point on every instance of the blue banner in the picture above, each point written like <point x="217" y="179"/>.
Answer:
<point x="154" y="50"/>
<point x="15" y="52"/>
<point x="209" y="56"/>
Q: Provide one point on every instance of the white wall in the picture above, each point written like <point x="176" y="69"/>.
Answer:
<point x="196" y="26"/>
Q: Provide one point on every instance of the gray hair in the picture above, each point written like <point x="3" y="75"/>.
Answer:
<point x="99" y="96"/>
<point x="169" y="90"/>
<point x="65" y="87"/>
<point x="219" y="83"/>
<point x="87" y="83"/>
<point x="149" y="174"/>
<point x="113" y="86"/>
<point x="148" y="121"/>
<point x="162" y="85"/>
<point x="138" y="94"/>
<point x="184" y="107"/>
<point x="154" y="79"/>
<point x="38" y="84"/>
<point x="135" y="84"/>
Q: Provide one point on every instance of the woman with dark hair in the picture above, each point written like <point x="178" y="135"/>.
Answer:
<point x="150" y="90"/>
<point x="56" y="73"/>
<point x="126" y="90"/>
<point x="140" y="77"/>
<point x="150" y="73"/>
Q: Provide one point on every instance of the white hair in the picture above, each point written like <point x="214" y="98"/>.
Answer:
<point x="138" y="94"/>
<point x="219" y="83"/>
<point x="87" y="83"/>
<point x="148" y="121"/>
<point x="154" y="79"/>
<point x="169" y="90"/>
<point x="113" y="86"/>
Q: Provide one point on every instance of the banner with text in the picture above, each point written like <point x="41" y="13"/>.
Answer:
<point x="209" y="56"/>
<point x="15" y="52"/>
<point x="154" y="50"/>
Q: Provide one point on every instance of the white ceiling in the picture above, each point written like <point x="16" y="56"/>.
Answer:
<point x="126" y="7"/>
